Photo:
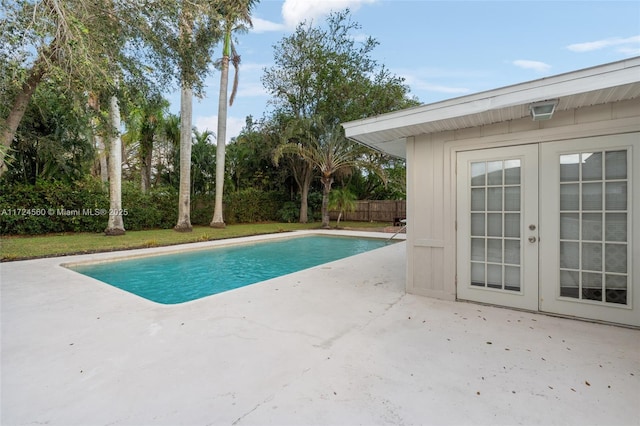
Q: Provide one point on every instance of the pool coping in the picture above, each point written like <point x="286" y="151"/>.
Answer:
<point x="114" y="256"/>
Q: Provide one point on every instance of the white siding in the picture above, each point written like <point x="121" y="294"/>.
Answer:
<point x="431" y="186"/>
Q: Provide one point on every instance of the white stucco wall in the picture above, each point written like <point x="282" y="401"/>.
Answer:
<point x="431" y="183"/>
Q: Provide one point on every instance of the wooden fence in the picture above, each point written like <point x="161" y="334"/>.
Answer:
<point x="375" y="211"/>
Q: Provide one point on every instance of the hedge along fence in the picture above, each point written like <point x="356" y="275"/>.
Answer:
<point x="375" y="211"/>
<point x="51" y="207"/>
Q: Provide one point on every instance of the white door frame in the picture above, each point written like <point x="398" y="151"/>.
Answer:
<point x="527" y="297"/>
<point x="550" y="298"/>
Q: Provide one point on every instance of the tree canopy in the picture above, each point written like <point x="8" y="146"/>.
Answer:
<point x="324" y="71"/>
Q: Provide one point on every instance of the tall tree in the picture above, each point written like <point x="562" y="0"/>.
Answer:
<point x="187" y="48"/>
<point x="329" y="152"/>
<point x="115" y="225"/>
<point x="324" y="72"/>
<point x="236" y="17"/>
<point x="70" y="41"/>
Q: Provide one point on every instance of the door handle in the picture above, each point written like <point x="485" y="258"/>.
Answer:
<point x="532" y="239"/>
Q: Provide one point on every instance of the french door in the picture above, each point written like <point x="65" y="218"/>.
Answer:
<point x="591" y="226"/>
<point x="549" y="227"/>
<point x="497" y="222"/>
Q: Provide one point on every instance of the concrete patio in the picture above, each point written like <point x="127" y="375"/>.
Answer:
<point x="338" y="344"/>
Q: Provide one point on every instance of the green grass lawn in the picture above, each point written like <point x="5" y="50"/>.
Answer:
<point x="19" y="248"/>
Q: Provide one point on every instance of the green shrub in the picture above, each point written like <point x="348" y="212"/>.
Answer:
<point x="53" y="206"/>
<point x="290" y="212"/>
<point x="252" y="205"/>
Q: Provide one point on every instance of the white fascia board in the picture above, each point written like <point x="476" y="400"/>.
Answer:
<point x="576" y="82"/>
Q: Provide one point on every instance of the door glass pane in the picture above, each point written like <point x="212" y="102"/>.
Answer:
<point x="594" y="226"/>
<point x="478" y="174"/>
<point x="495" y="188"/>
<point x="494" y="224"/>
<point x="616" y="288"/>
<point x="569" y="168"/>
<point x="494" y="199"/>
<point x="569" y="255"/>
<point x="494" y="173"/>
<point x="592" y="166"/>
<point x="569" y="226"/>
<point x="591" y="196"/>
<point x="616" y="226"/>
<point x="616" y="165"/>
<point x="494" y="250"/>
<point x="592" y="286"/>
<point x="512" y="225"/>
<point x="477" y="274"/>
<point x="592" y="256"/>
<point x="616" y="196"/>
<point x="512" y="198"/>
<point x="569" y="284"/>
<point x="477" y="249"/>
<point x="494" y="276"/>
<point x="512" y="252"/>
<point x="615" y="259"/>
<point x="477" y="199"/>
<point x="477" y="224"/>
<point x="512" y="172"/>
<point x="569" y="197"/>
<point x="512" y="278"/>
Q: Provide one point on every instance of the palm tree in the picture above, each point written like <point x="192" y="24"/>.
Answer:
<point x="235" y="16"/>
<point x="144" y="125"/>
<point x="202" y="161"/>
<point x="170" y="142"/>
<point x="115" y="225"/>
<point x="186" y="114"/>
<point x="342" y="200"/>
<point x="329" y="152"/>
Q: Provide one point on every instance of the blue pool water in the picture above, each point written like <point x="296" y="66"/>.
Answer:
<point x="180" y="277"/>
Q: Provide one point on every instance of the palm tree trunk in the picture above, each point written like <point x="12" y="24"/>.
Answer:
<point x="146" y="151"/>
<point x="115" y="225"/>
<point x="102" y="158"/>
<point x="184" y="197"/>
<point x="326" y="188"/>
<point x="218" y="220"/>
<point x="304" y="194"/>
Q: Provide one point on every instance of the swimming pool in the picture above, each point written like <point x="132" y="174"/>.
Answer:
<point x="181" y="277"/>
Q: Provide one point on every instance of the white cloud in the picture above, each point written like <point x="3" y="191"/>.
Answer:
<point x="296" y="11"/>
<point x="250" y="89"/>
<point x="532" y="65"/>
<point x="418" y="83"/>
<point x="630" y="51"/>
<point x="629" y="45"/>
<point x="440" y="89"/>
<point x="210" y="122"/>
<point x="263" y="26"/>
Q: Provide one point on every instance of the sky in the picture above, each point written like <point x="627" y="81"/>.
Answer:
<point x="443" y="49"/>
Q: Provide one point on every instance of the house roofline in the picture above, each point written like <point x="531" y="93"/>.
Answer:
<point x="370" y="130"/>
